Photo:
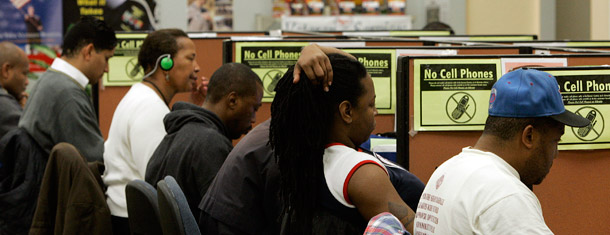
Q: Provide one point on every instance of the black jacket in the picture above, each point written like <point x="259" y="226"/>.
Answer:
<point x="22" y="165"/>
<point x="193" y="150"/>
<point x="10" y="112"/>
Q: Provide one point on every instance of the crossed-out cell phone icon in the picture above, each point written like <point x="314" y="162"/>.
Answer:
<point x="460" y="108"/>
<point x="596" y="126"/>
<point x="584" y="131"/>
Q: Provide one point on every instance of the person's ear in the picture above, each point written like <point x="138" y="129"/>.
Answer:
<point x="87" y="51"/>
<point x="232" y="100"/>
<point x="346" y="111"/>
<point x="5" y="70"/>
<point x="527" y="136"/>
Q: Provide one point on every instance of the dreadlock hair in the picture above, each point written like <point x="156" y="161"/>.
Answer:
<point x="301" y="117"/>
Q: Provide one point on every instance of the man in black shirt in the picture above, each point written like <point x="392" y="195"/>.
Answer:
<point x="14" y="67"/>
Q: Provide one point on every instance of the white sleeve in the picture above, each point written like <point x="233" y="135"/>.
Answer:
<point x="145" y="134"/>
<point x="515" y="214"/>
<point x="339" y="169"/>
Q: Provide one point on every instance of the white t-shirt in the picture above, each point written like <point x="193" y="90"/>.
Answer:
<point x="477" y="192"/>
<point x="340" y="163"/>
<point x="135" y="132"/>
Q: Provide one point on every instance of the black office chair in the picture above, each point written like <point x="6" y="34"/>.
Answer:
<point x="176" y="216"/>
<point x="143" y="208"/>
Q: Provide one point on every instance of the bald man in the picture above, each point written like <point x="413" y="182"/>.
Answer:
<point x="14" y="67"/>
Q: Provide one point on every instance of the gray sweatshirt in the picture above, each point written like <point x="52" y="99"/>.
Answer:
<point x="59" y="110"/>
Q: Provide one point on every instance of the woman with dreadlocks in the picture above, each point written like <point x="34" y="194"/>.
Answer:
<point x="327" y="185"/>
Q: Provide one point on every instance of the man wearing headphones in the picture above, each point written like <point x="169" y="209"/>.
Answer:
<point x="168" y="59"/>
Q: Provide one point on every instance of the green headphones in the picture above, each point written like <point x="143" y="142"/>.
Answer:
<point x="166" y="62"/>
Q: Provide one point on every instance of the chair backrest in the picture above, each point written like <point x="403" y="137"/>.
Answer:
<point x="175" y="214"/>
<point x="143" y="208"/>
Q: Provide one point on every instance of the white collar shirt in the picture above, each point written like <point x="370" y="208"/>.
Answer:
<point x="65" y="67"/>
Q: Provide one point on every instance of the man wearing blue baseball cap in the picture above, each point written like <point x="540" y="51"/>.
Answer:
<point x="486" y="189"/>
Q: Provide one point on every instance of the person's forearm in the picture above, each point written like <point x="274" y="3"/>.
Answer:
<point x="403" y="213"/>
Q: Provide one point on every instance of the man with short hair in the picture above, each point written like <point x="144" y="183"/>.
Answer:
<point x="14" y="67"/>
<point x="198" y="139"/>
<point x="486" y="189"/>
<point x="59" y="108"/>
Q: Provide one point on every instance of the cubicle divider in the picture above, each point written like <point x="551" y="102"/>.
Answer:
<point x="533" y="47"/>
<point x="396" y="33"/>
<point x="558" y="50"/>
<point x="579" y="44"/>
<point x="482" y="38"/>
<point x="462" y="50"/>
<point x="303" y="33"/>
<point x="238" y="33"/>
<point x="591" y="44"/>
<point x="390" y="33"/>
<point x="478" y="40"/>
<point x="442" y="107"/>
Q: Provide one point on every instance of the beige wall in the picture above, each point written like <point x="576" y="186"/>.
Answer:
<point x="600" y="20"/>
<point x="503" y="17"/>
<point x="573" y="19"/>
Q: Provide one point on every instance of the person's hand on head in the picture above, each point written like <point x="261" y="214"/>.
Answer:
<point x="200" y="91"/>
<point x="316" y="65"/>
<point x="23" y="99"/>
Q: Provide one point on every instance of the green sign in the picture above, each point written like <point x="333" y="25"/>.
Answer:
<point x="586" y="93"/>
<point x="123" y="69"/>
<point x="381" y="65"/>
<point x="453" y="94"/>
<point x="270" y="60"/>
